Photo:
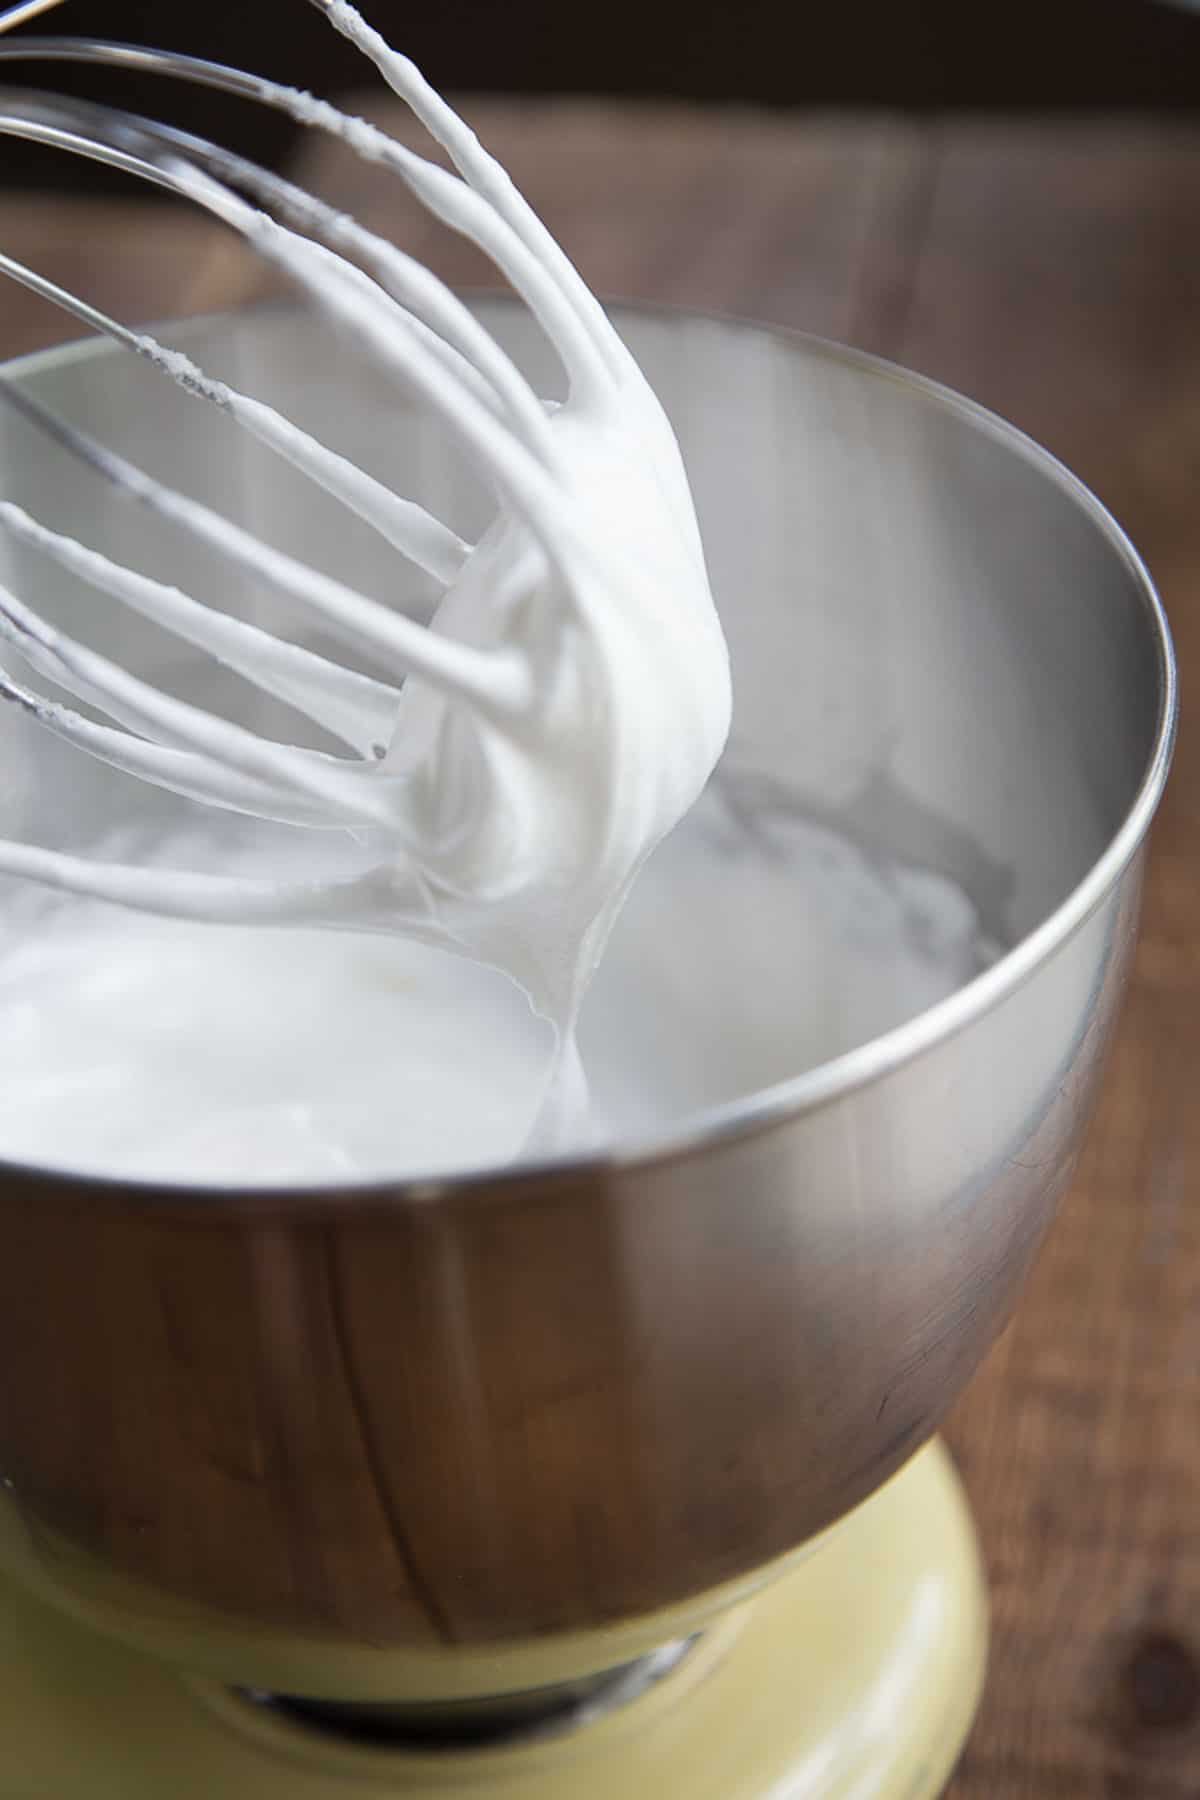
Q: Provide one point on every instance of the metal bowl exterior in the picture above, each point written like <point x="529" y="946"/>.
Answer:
<point x="385" y="1423"/>
<point x="411" y="1425"/>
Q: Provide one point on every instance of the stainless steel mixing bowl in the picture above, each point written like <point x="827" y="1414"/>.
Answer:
<point x="347" y="1441"/>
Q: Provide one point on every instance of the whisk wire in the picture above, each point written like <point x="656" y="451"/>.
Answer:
<point x="563" y="563"/>
<point x="538" y="270"/>
<point x="25" y="10"/>
<point x="478" y="168"/>
<point x="181" y="772"/>
<point x="505" y="460"/>
<point x="287" y="769"/>
<point x="404" y="525"/>
<point x="351" y="706"/>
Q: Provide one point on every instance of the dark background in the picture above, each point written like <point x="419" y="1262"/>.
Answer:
<point x="919" y="55"/>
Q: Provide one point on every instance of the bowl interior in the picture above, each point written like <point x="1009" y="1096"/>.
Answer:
<point x="942" y="653"/>
<point x="411" y="1420"/>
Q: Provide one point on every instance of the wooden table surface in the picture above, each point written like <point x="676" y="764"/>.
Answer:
<point x="1052" y="271"/>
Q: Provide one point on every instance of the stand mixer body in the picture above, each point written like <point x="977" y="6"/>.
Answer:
<point x="428" y="1443"/>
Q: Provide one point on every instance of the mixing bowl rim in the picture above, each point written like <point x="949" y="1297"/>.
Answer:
<point x="720" y="1126"/>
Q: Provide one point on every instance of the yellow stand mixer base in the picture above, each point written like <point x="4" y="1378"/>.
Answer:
<point x="853" y="1676"/>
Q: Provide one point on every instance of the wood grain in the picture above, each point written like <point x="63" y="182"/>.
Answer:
<point x="1058" y="281"/>
<point x="1053" y="271"/>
